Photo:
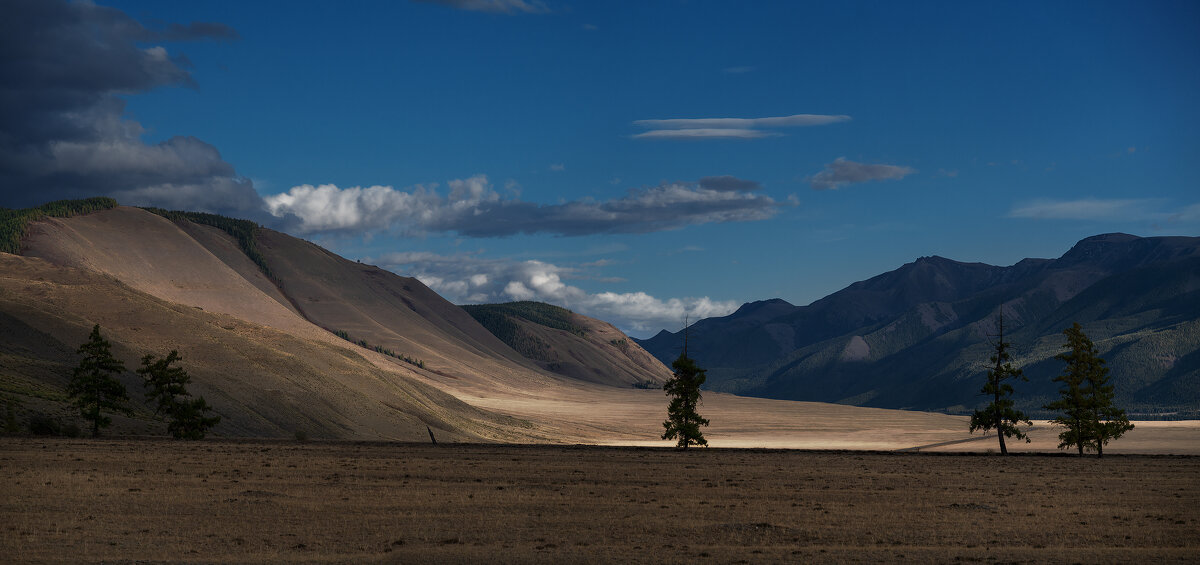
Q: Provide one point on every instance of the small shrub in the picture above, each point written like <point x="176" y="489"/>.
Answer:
<point x="10" y="419"/>
<point x="43" y="425"/>
<point x="71" y="429"/>
<point x="301" y="436"/>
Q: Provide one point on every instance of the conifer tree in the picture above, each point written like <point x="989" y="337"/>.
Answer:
<point x="186" y="416"/>
<point x="92" y="387"/>
<point x="999" y="414"/>
<point x="683" y="422"/>
<point x="1088" y="417"/>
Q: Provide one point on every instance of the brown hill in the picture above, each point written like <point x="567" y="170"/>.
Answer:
<point x="570" y="344"/>
<point x="263" y="381"/>
<point x="264" y="353"/>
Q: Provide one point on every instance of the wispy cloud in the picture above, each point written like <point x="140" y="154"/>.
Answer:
<point x="493" y="6"/>
<point x="1118" y="209"/>
<point x="842" y="172"/>
<point x="705" y="133"/>
<point x="473" y="208"/>
<point x="470" y="278"/>
<point x="729" y="128"/>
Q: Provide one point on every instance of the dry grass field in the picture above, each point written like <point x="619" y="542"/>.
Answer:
<point x="141" y="500"/>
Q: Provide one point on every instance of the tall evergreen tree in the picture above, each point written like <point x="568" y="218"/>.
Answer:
<point x="999" y="414"/>
<point x="93" y="388"/>
<point x="1088" y="417"/>
<point x="186" y="417"/>
<point x="683" y="422"/>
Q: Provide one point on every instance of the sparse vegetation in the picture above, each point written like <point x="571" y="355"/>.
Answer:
<point x="999" y="414"/>
<point x="1087" y="414"/>
<point x="93" y="388"/>
<point x="499" y="320"/>
<point x="14" y="223"/>
<point x="187" y="417"/>
<point x="379" y="349"/>
<point x="244" y="231"/>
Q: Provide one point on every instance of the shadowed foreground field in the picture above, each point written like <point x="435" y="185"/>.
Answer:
<point x="269" y="501"/>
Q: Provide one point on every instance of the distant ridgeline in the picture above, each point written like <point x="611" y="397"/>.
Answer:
<point x="244" y="231"/>
<point x="498" y="319"/>
<point x="919" y="337"/>
<point x="14" y="223"/>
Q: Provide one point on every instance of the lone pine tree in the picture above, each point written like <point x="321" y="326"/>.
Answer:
<point x="1088" y="416"/>
<point x="92" y="387"/>
<point x="683" y="422"/>
<point x="186" y="417"/>
<point x="999" y="414"/>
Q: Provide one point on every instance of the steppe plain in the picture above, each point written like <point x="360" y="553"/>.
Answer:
<point x="260" y="501"/>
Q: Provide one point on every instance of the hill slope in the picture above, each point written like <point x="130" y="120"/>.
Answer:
<point x="264" y="382"/>
<point x="570" y="344"/>
<point x="256" y="331"/>
<point x="916" y="337"/>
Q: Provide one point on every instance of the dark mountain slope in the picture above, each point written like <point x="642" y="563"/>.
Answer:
<point x="917" y="336"/>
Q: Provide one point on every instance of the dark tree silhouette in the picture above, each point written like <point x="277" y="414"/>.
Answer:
<point x="999" y="414"/>
<point x="683" y="422"/>
<point x="93" y="388"/>
<point x="186" y="417"/>
<point x="1088" y="417"/>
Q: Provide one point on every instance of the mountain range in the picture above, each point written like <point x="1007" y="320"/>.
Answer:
<point x="919" y="337"/>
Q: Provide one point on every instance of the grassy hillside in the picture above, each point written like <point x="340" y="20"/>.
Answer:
<point x="569" y="344"/>
<point x="14" y="223"/>
<point x="262" y="381"/>
<point x="244" y="231"/>
<point x="501" y="320"/>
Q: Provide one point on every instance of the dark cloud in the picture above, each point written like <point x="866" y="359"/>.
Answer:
<point x="842" y="172"/>
<point x="474" y="209"/>
<point x="63" y="67"/>
<point x="493" y="6"/>
<point x="728" y="182"/>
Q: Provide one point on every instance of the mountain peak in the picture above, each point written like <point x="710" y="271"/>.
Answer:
<point x="1116" y="237"/>
<point x="771" y="306"/>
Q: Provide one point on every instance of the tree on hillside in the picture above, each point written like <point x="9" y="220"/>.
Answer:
<point x="683" y="422"/>
<point x="999" y="414"/>
<point x="93" y="388"/>
<point x="186" y="417"/>
<point x="1088" y="417"/>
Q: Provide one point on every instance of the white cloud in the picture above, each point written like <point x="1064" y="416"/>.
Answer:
<point x="842" y="172"/>
<point x="729" y="128"/>
<point x="469" y="278"/>
<point x="557" y="167"/>
<point x="474" y="209"/>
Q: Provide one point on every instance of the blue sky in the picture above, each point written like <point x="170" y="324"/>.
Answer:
<point x="634" y="161"/>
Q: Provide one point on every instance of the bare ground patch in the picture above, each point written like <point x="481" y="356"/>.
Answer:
<point x="271" y="501"/>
